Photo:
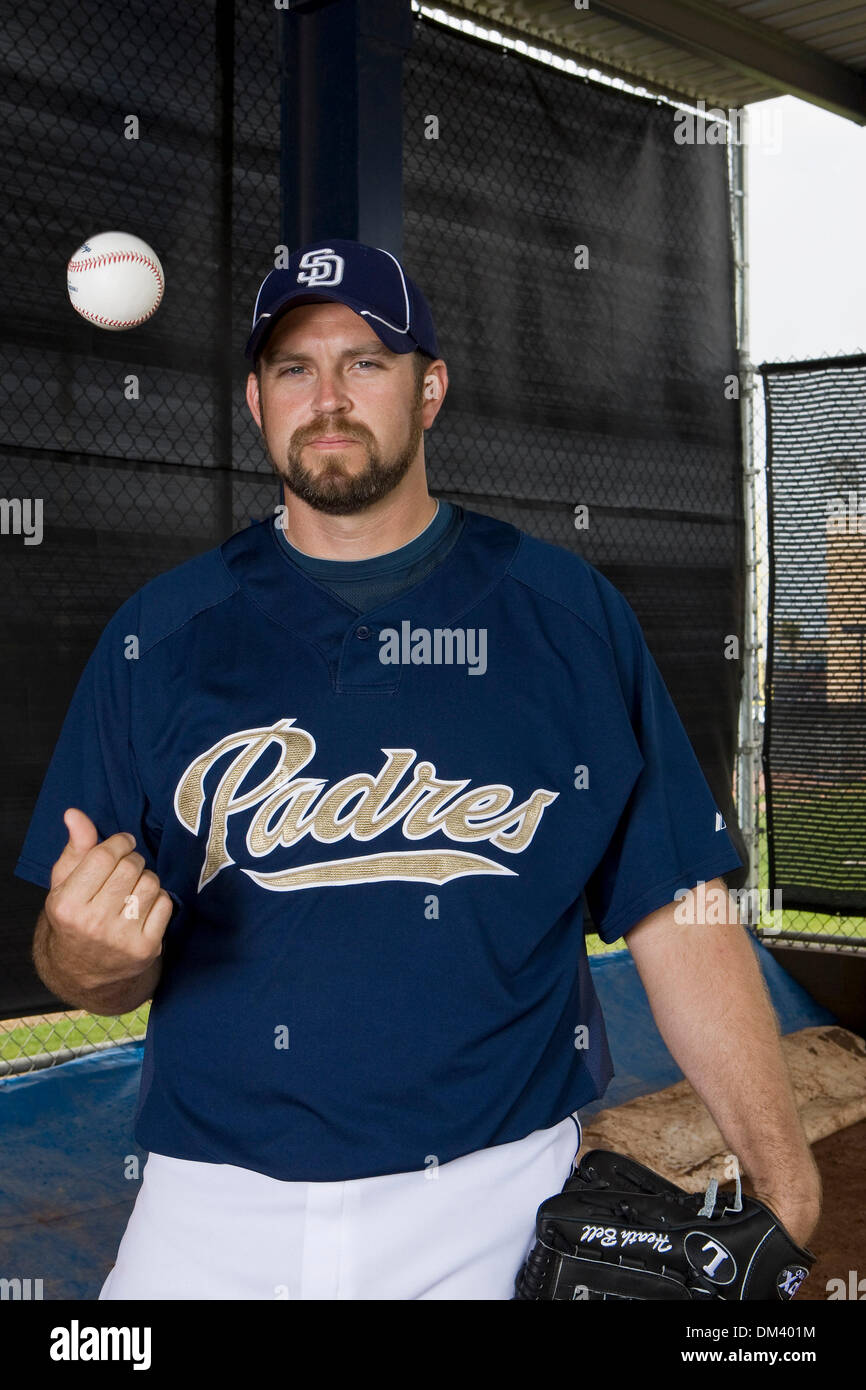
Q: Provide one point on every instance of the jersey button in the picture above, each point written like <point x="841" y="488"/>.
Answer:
<point x="363" y="632"/>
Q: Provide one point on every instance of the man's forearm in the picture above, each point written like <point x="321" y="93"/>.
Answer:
<point x="711" y="1006"/>
<point x="110" y="1000"/>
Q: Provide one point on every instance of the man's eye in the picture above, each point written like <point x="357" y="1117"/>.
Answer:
<point x="297" y="367"/>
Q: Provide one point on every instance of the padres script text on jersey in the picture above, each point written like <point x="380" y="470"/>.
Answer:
<point x="288" y="807"/>
<point x="428" y="992"/>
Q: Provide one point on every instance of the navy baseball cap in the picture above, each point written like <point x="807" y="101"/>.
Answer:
<point x="367" y="278"/>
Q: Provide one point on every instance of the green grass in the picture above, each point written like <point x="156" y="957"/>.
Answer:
<point x="596" y="947"/>
<point x="60" y="1033"/>
<point x="824" y="924"/>
<point x="841" y="814"/>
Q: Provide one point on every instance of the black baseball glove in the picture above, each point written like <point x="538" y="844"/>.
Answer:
<point x="617" y="1230"/>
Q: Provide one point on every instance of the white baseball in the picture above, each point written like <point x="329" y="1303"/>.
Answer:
<point x="115" y="280"/>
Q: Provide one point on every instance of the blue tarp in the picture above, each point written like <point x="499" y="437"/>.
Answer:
<point x="70" y="1170"/>
<point x="642" y="1061"/>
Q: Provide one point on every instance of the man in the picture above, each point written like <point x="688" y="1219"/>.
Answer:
<point x="334" y="792"/>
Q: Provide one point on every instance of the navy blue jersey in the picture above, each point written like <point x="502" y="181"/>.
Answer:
<point x="378" y="842"/>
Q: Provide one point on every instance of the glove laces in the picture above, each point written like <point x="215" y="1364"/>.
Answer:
<point x="711" y="1194"/>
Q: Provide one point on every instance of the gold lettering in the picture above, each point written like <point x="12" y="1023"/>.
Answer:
<point x="434" y="866"/>
<point x="327" y="825"/>
<point x="456" y="821"/>
<point x="287" y="809"/>
<point x="370" y="820"/>
<point x="529" y="814"/>
<point x="423" y="820"/>
<point x="299" y="796"/>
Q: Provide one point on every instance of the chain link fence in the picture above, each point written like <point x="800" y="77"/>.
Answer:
<point x="808" y="461"/>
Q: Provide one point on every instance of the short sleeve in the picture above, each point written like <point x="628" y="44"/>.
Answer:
<point x="671" y="834"/>
<point x="93" y="764"/>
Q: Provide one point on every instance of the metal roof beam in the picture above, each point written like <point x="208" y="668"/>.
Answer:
<point x="757" y="51"/>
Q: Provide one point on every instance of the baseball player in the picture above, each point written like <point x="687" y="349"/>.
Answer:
<point x="331" y="795"/>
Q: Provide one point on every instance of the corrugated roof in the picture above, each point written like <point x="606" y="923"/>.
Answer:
<point x="728" y="52"/>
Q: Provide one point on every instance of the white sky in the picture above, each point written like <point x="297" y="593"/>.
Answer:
<point x="806" y="210"/>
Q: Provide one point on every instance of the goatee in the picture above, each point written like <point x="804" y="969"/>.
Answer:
<point x="335" y="486"/>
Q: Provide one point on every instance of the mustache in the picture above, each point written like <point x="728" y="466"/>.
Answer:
<point x="311" y="432"/>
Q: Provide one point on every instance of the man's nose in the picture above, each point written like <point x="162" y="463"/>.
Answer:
<point x="330" y="394"/>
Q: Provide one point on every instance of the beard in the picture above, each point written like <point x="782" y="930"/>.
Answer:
<point x="336" y="486"/>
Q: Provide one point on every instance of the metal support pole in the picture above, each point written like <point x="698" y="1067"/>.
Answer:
<point x="748" y="754"/>
<point x="225" y="360"/>
<point x="341" y="104"/>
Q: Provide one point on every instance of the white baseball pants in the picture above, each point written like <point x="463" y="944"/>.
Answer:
<point x="459" y="1231"/>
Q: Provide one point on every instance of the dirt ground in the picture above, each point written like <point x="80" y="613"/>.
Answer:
<point x="839" y="1242"/>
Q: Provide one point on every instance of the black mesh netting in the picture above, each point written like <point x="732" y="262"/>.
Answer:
<point x="608" y="386"/>
<point x="815" y="730"/>
<point x="603" y="386"/>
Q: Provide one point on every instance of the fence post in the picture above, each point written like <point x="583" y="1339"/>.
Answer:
<point x="748" y="766"/>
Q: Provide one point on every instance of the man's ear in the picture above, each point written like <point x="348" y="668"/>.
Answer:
<point x="435" y="387"/>
<point x="254" y="399"/>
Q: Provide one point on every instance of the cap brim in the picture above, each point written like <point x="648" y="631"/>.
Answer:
<point x="267" y="322"/>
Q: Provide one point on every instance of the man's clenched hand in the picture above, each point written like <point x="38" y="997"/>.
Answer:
<point x="107" y="913"/>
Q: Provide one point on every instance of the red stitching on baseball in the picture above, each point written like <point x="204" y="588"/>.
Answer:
<point x="117" y="323"/>
<point x="107" y="258"/>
